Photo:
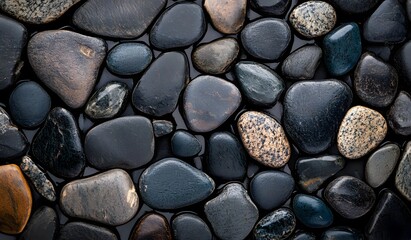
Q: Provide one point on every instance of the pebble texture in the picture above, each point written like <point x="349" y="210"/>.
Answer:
<point x="42" y="225"/>
<point x="277" y="225"/>
<point x="402" y="176"/>
<point x="85" y="231"/>
<point x="399" y="115"/>
<point x="13" y="143"/>
<point x="302" y="63"/>
<point x="227" y="16"/>
<point x="152" y="226"/>
<point x="188" y="226"/>
<point x="381" y="164"/>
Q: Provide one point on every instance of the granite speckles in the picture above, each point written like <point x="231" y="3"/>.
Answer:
<point x="403" y="176"/>
<point x="227" y="16"/>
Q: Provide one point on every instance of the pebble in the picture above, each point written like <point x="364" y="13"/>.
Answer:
<point x="271" y="189"/>
<point x="231" y="213"/>
<point x="277" y="225"/>
<point x="107" y="145"/>
<point x="57" y="145"/>
<point x="39" y="179"/>
<point x="264" y="139"/>
<point x="350" y="197"/>
<point x="399" y="115"/>
<point x="312" y="211"/>
<point x="208" y="102"/>
<point x="13" y="143"/>
<point x="13" y="38"/>
<point x="129" y="58"/>
<point x="375" y="82"/>
<point x="29" y="104"/>
<point x="178" y="26"/>
<point x="361" y="131"/>
<point x="312" y="172"/>
<point x="313" y="18"/>
<point x="42" y="225"/>
<point x="67" y="63"/>
<point x="158" y="90"/>
<point x="271" y="8"/>
<point x="184" y="144"/>
<point x="403" y="65"/>
<point x="85" y="231"/>
<point x="15" y="200"/>
<point x="402" y="176"/>
<point x="301" y="235"/>
<point x="227" y="16"/>
<point x="152" y="226"/>
<point x="117" y="19"/>
<point x="255" y="42"/>
<point x="171" y="184"/>
<point x="302" y="63"/>
<point x="91" y="199"/>
<point x="312" y="119"/>
<point x="355" y="6"/>
<point x="162" y="127"/>
<point x="381" y="164"/>
<point x="259" y="84"/>
<point x="226" y="158"/>
<point x="388" y="24"/>
<point x="188" y="226"/>
<point x="216" y="57"/>
<point x="342" y="49"/>
<point x="341" y="233"/>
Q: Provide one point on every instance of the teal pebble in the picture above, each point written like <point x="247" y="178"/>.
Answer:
<point x="312" y="211"/>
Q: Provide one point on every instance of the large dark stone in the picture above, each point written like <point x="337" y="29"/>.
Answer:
<point x="85" y="231"/>
<point x="399" y="115"/>
<point x="302" y="63"/>
<point x="355" y="6"/>
<point x="152" y="226"/>
<point x="187" y="226"/>
<point x="43" y="224"/>
<point x="13" y="143"/>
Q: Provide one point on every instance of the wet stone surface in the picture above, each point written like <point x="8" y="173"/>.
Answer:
<point x="276" y="225"/>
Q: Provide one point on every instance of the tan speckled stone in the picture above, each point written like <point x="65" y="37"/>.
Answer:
<point x="264" y="139"/>
<point x="361" y="130"/>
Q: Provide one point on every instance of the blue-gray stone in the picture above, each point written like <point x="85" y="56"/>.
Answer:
<point x="188" y="226"/>
<point x="302" y="63"/>
<point x="184" y="144"/>
<point x="341" y="233"/>
<point x="342" y="49"/>
<point x="162" y="127"/>
<point x="277" y="225"/>
<point x="355" y="6"/>
<point x="270" y="7"/>
<point x="171" y="183"/>
<point x="381" y="164"/>
<point x="312" y="211"/>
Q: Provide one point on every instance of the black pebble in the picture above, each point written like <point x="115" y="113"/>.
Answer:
<point x="85" y="231"/>
<point x="43" y="225"/>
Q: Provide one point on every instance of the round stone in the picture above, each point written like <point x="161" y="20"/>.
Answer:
<point x="162" y="127"/>
<point x="399" y="115"/>
<point x="184" y="144"/>
<point x="277" y="225"/>
<point x="187" y="226"/>
<point x="312" y="211"/>
<point x="152" y="226"/>
<point x="227" y="16"/>
<point x="381" y="164"/>
<point x="302" y="63"/>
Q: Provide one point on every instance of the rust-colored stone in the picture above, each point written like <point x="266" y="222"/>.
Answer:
<point x="227" y="16"/>
<point x="152" y="226"/>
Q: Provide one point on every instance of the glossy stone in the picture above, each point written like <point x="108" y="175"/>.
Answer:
<point x="129" y="58"/>
<point x="67" y="62"/>
<point x="381" y="164"/>
<point x="42" y="225"/>
<point x="259" y="84"/>
<point x="57" y="145"/>
<point x="312" y="211"/>
<point x="276" y="225"/>
<point x="152" y="226"/>
<point x="13" y="143"/>
<point x="271" y="189"/>
<point x="85" y="231"/>
<point x="188" y="226"/>
<point x="226" y="16"/>
<point x="91" y="199"/>
<point x="313" y="18"/>
<point x="264" y="139"/>
<point x="356" y="139"/>
<point x="158" y="90"/>
<point x="117" y="19"/>
<point x="178" y="26"/>
<point x="302" y="63"/>
<point x="171" y="183"/>
<point x="355" y="6"/>
<point x="216" y="57"/>
<point x="342" y="49"/>
<point x="208" y="102"/>
<point x="184" y="144"/>
<point x="350" y="197"/>
<point x="255" y="42"/>
<point x="312" y="119"/>
<point x="399" y="115"/>
<point x="271" y="8"/>
<point x="403" y="65"/>
<point x="162" y="127"/>
<point x="402" y="176"/>
<point x="231" y="214"/>
<point x="341" y="233"/>
<point x="15" y="200"/>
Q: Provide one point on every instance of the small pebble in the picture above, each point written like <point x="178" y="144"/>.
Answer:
<point x="13" y="143"/>
<point x="184" y="144"/>
<point x="381" y="164"/>
<point x="43" y="224"/>
<point x="403" y="176"/>
<point x="271" y="8"/>
<point x="82" y="230"/>
<point x="277" y="225"/>
<point x="188" y="226"/>
<point x="312" y="211"/>
<point x="403" y="65"/>
<point x="152" y="226"/>
<point x="226" y="16"/>
<point x="302" y="63"/>
<point x="341" y="233"/>
<point x="162" y="127"/>
<point x="355" y="6"/>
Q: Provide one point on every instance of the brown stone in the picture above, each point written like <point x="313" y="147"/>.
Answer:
<point x="15" y="200"/>
<point x="227" y="16"/>
<point x="152" y="226"/>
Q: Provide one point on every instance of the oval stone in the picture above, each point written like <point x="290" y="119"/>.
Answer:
<point x="81" y="230"/>
<point x="381" y="164"/>
<point x="302" y="63"/>
<point x="399" y="115"/>
<point x="184" y="144"/>
<point x="302" y="235"/>
<point x="42" y="225"/>
<point x="403" y="176"/>
<point x="312" y="211"/>
<point x="227" y="16"/>
<point x="151" y="226"/>
<point x="276" y="225"/>
<point x="188" y="226"/>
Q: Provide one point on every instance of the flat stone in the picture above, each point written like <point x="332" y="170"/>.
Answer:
<point x="350" y="197"/>
<point x="231" y="213"/>
<point x="226" y="158"/>
<point x="108" y="145"/>
<point x="302" y="235"/>
<point x="356" y="139"/>
<point x="86" y="231"/>
<point x="57" y="145"/>
<point x="13" y="143"/>
<point x="91" y="199"/>
<point x="255" y="42"/>
<point x="264" y="139"/>
<point x="403" y="65"/>
<point x="15" y="200"/>
<point x="388" y="24"/>
<point x="276" y="225"/>
<point x="271" y="8"/>
<point x="178" y="26"/>
<point x="208" y="102"/>
<point x="280" y="185"/>
<point x="216" y="57"/>
<point x="42" y="225"/>
<point x="341" y="233"/>
<point x="38" y="12"/>
<point x="312" y="119"/>
<point x="159" y="89"/>
<point x="162" y="127"/>
<point x="302" y="63"/>
<point x="152" y="226"/>
<point x="13" y="38"/>
<point x="117" y="19"/>
<point x="129" y="58"/>
<point x="312" y="211"/>
<point x="313" y="18"/>
<point x="381" y="164"/>
<point x="312" y="172"/>
<point x="399" y="115"/>
<point x="402" y="176"/>
<point x="67" y="62"/>
<point x="259" y="84"/>
<point x="171" y="184"/>
<point x="375" y="82"/>
<point x="227" y="16"/>
<point x="187" y="226"/>
<point x="355" y="6"/>
<point x="184" y="144"/>
<point x="342" y="49"/>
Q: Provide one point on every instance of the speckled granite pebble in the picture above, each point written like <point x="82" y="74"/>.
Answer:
<point x="403" y="176"/>
<point x="277" y="225"/>
<point x="227" y="16"/>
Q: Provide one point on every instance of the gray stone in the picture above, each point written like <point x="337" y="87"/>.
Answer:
<point x="188" y="226"/>
<point x="85" y="231"/>
<point x="162" y="127"/>
<point x="403" y="176"/>
<point x="381" y="164"/>
<point x="399" y="115"/>
<point x="13" y="143"/>
<point x="302" y="63"/>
